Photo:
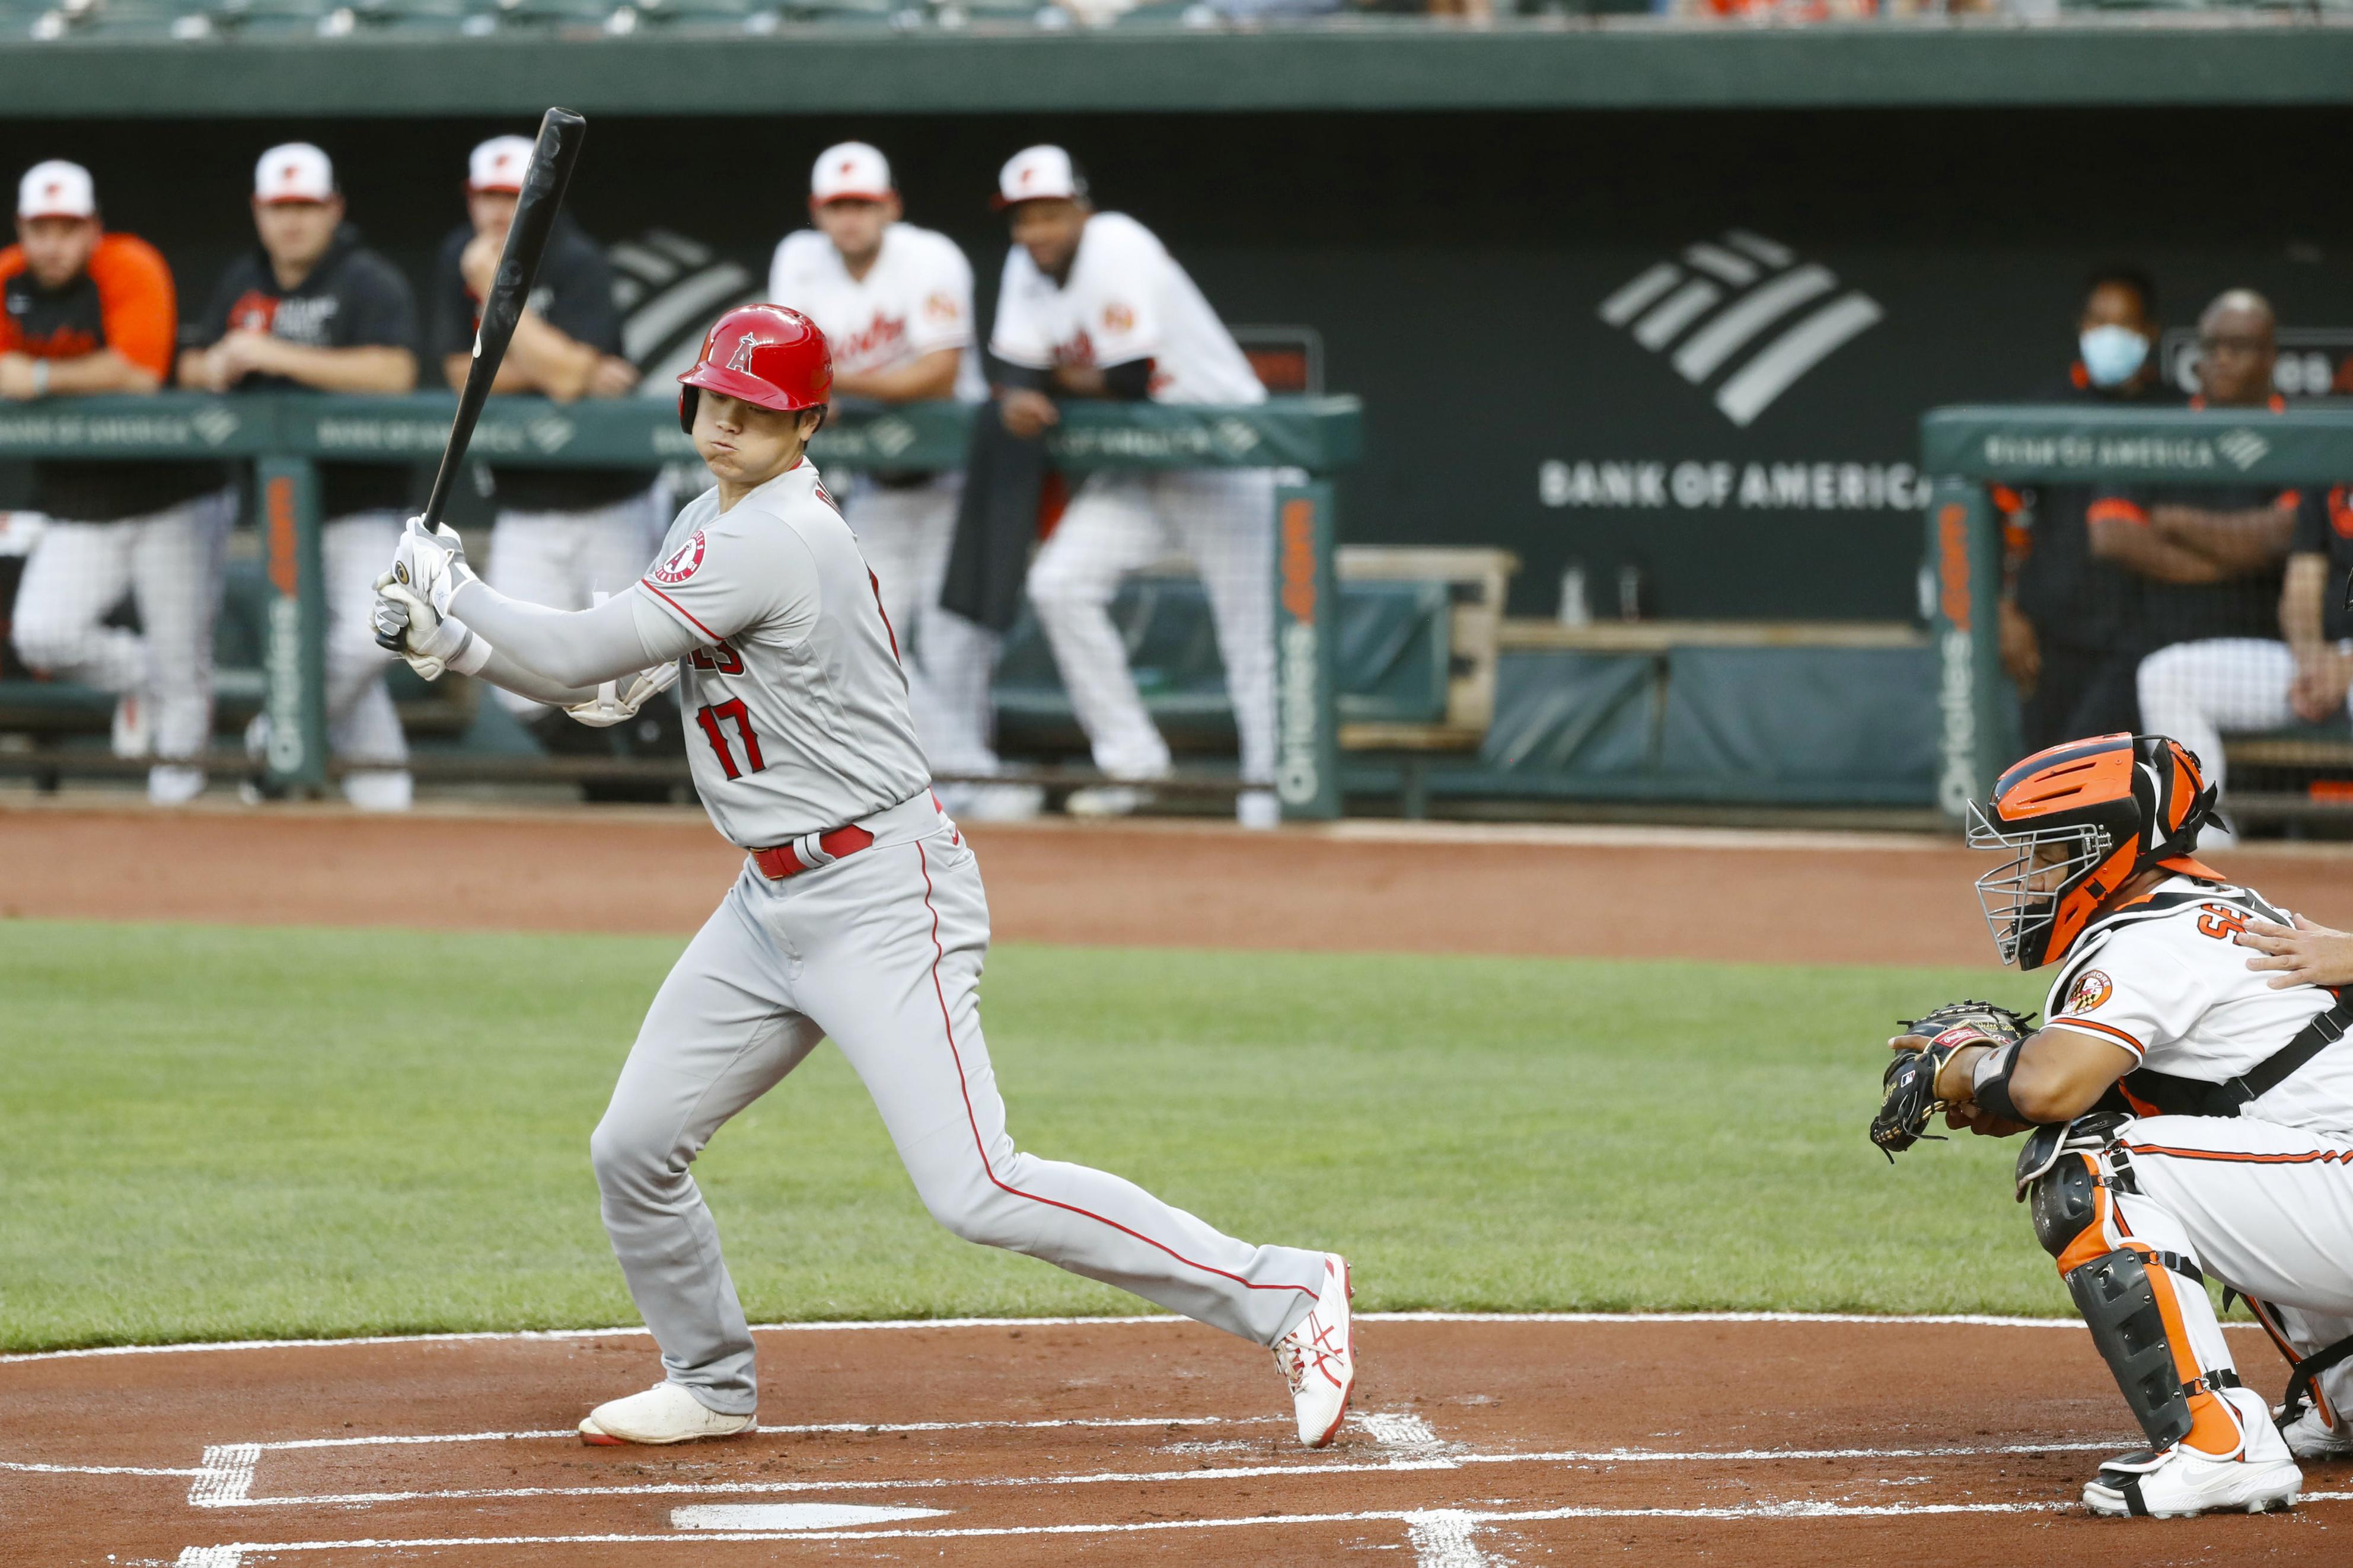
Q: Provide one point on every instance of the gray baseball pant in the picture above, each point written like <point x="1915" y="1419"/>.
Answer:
<point x="880" y="951"/>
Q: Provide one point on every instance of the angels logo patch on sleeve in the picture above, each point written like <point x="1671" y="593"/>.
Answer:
<point x="683" y="563"/>
<point x="2092" y="988"/>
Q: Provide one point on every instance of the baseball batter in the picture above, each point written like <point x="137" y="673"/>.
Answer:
<point x="894" y="302"/>
<point x="88" y="311"/>
<point x="859" y="914"/>
<point x="2190" y="1118"/>
<point x="1092" y="305"/>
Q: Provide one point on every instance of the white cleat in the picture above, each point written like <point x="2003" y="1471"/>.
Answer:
<point x="1318" y="1357"/>
<point x="1257" y="810"/>
<point x="992" y="803"/>
<point x="1107" y="800"/>
<point x="666" y="1413"/>
<point x="2310" y="1436"/>
<point x="169" y="784"/>
<point x="2181" y="1481"/>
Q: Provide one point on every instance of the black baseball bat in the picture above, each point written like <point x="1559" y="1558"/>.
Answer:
<point x="561" y="133"/>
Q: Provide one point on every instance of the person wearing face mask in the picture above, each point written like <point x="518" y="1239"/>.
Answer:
<point x="2069" y="620"/>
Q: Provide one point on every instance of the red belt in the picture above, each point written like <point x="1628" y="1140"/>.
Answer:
<point x="789" y="859"/>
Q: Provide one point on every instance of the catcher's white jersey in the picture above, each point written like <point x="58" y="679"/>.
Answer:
<point x="2163" y="978"/>
<point x="1125" y="300"/>
<point x="915" y="300"/>
<point x="795" y="704"/>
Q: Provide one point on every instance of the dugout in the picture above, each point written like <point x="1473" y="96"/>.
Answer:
<point x="1466" y="221"/>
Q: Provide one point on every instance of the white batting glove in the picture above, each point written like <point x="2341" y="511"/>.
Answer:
<point x="612" y="706"/>
<point x="432" y="564"/>
<point x="431" y="643"/>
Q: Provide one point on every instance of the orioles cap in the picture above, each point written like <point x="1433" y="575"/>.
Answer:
<point x="57" y="189"/>
<point x="294" y="171"/>
<point x="499" y="164"/>
<point x="850" y="171"/>
<point x="1043" y="172"/>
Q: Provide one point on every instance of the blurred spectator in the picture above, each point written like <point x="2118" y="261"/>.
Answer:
<point x="1092" y="305"/>
<point x="312" y="307"/>
<point x="563" y="536"/>
<point x="89" y="311"/>
<point x="2071" y="624"/>
<point x="2203" y="691"/>
<point x="895" y="304"/>
<point x="2211" y="556"/>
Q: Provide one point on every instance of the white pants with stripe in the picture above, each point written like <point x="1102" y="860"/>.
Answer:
<point x="564" y="559"/>
<point x="169" y="563"/>
<point x="2198" y="692"/>
<point x="882" y="951"/>
<point x="2266" y="1209"/>
<point x="1222" y="521"/>
<point x="906" y="535"/>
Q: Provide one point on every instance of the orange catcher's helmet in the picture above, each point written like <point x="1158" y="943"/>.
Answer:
<point x="766" y="355"/>
<point x="2080" y="821"/>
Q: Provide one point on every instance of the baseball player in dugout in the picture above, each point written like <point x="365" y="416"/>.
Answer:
<point x="1092" y="305"/>
<point x="563" y="536"/>
<point x="312" y="309"/>
<point x="2071" y="621"/>
<point x="89" y="311"/>
<point x="894" y="302"/>
<point x="859" y="915"/>
<point x="2212" y="559"/>
<point x="2189" y="1113"/>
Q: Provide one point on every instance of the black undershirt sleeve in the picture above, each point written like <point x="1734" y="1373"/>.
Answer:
<point x="1130" y="381"/>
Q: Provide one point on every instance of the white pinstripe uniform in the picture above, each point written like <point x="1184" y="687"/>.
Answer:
<point x="2264" y="1200"/>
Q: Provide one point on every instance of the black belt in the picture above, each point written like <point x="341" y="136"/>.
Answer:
<point x="2175" y="1096"/>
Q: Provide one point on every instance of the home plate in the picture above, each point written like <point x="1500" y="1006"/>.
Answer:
<point x="790" y="1515"/>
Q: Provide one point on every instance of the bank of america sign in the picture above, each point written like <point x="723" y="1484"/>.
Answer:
<point x="1746" y="316"/>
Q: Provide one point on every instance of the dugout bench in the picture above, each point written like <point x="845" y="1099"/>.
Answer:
<point x="285" y="437"/>
<point x="1966" y="449"/>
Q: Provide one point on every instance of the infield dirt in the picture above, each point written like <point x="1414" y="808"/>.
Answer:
<point x="1475" y="1443"/>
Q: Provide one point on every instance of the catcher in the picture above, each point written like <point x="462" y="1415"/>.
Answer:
<point x="2186" y="1119"/>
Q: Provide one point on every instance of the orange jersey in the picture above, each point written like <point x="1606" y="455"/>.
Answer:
<point x="122" y="300"/>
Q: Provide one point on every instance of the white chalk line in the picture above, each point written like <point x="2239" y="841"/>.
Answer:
<point x="1406" y="1464"/>
<point x="1408" y="1517"/>
<point x="90" y="1469"/>
<point x="495" y="1336"/>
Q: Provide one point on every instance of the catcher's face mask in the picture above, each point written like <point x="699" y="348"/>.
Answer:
<point x="2076" y="822"/>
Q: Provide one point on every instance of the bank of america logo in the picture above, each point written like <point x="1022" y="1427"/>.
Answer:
<point x="2243" y="448"/>
<point x="1748" y="299"/>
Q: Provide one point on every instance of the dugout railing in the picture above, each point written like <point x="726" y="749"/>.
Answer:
<point x="1966" y="450"/>
<point x="286" y="436"/>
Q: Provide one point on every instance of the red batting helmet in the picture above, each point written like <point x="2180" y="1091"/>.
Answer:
<point x="767" y="354"/>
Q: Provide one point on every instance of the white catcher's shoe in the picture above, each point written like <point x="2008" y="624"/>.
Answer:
<point x="2181" y="1481"/>
<point x="2309" y="1436"/>
<point x="666" y="1413"/>
<point x="1318" y="1357"/>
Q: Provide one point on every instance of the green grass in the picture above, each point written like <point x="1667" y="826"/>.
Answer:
<point x="219" y="1133"/>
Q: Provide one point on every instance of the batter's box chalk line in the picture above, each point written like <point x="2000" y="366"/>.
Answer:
<point x="1439" y="1523"/>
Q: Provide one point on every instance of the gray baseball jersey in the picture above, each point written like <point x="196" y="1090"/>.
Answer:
<point x="795" y="698"/>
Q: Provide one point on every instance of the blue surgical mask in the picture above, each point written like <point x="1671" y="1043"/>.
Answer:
<point x="2111" y="355"/>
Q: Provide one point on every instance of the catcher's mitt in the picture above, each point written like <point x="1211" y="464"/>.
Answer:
<point x="1909" y="1086"/>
